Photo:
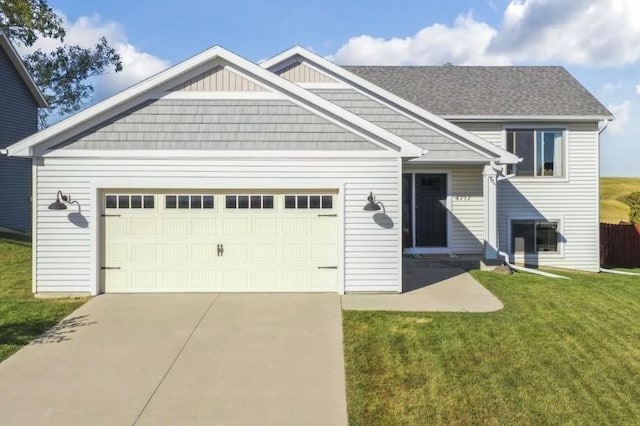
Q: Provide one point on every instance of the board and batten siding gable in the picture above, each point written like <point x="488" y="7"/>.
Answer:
<point x="64" y="245"/>
<point x="438" y="145"/>
<point x="572" y="200"/>
<point x="18" y="119"/>
<point x="218" y="79"/>
<point x="300" y="72"/>
<point x="219" y="124"/>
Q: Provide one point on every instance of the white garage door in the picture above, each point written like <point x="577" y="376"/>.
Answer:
<point x="201" y="241"/>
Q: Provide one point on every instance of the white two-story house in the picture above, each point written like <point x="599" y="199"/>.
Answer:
<point x="297" y="174"/>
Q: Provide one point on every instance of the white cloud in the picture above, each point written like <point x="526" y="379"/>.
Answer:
<point x="86" y="31"/>
<point x="582" y="32"/>
<point x="638" y="89"/>
<point x="610" y="87"/>
<point x="621" y="113"/>
<point x="464" y="43"/>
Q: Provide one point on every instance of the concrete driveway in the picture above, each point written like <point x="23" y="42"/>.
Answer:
<point x="228" y="359"/>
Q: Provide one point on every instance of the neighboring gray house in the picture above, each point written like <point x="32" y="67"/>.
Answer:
<point x="297" y="174"/>
<point x="19" y="103"/>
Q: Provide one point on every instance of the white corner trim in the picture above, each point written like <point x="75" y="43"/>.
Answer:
<point x="276" y="62"/>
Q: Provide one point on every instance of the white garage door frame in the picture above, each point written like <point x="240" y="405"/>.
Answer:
<point x="177" y="183"/>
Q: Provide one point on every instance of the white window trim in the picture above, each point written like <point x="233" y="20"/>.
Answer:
<point x="565" y="150"/>
<point x="429" y="250"/>
<point x="559" y="254"/>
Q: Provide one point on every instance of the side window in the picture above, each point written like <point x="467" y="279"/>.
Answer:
<point x="541" y="150"/>
<point x="129" y="201"/>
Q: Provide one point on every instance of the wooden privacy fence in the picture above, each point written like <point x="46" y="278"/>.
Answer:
<point x="619" y="245"/>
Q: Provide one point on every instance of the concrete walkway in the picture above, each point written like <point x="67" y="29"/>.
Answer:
<point x="429" y="290"/>
<point x="230" y="359"/>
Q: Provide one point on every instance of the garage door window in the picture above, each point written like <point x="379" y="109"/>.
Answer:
<point x="129" y="201"/>
<point x="189" y="201"/>
<point x="233" y="202"/>
<point x="308" y="201"/>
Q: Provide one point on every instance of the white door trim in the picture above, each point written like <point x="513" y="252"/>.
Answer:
<point x="429" y="250"/>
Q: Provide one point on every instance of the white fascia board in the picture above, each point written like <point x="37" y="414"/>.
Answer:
<point x="16" y="60"/>
<point x="294" y="92"/>
<point x="427" y="160"/>
<point x="209" y="154"/>
<point x="287" y="56"/>
<point x="528" y="118"/>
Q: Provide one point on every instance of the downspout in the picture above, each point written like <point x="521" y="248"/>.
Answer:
<point x="505" y="256"/>
<point x="4" y="151"/>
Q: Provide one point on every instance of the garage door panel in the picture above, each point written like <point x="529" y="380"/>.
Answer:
<point x="178" y="226"/>
<point x="204" y="252"/>
<point x="175" y="252"/>
<point x="204" y="226"/>
<point x="142" y="226"/>
<point x="144" y="253"/>
<point x="295" y="253"/>
<point x="266" y="247"/>
<point x="295" y="226"/>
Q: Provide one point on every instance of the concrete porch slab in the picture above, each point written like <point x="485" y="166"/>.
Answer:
<point x="429" y="290"/>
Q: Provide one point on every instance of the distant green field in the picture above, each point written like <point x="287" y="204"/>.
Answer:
<point x="612" y="190"/>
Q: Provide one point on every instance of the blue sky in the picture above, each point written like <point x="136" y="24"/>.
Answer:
<point x="598" y="41"/>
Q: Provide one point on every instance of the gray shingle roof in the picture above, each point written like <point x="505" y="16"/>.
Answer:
<point x="455" y="91"/>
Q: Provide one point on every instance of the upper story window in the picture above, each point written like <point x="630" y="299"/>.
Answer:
<point x="541" y="150"/>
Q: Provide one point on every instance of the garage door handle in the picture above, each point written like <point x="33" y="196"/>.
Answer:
<point x="327" y="267"/>
<point x="220" y="250"/>
<point x="327" y="215"/>
<point x="110" y="215"/>
<point x="110" y="267"/>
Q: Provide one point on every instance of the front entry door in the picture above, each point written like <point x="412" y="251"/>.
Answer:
<point x="431" y="210"/>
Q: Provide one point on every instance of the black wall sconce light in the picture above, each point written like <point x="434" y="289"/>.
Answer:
<point x="61" y="202"/>
<point x="372" y="204"/>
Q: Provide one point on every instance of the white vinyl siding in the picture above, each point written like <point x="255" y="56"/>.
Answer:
<point x="64" y="249"/>
<point x="571" y="200"/>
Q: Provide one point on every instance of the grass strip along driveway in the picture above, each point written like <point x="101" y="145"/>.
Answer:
<point x="23" y="317"/>
<point x="559" y="352"/>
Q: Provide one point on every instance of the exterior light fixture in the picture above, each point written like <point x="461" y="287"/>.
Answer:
<point x="372" y="204"/>
<point x="60" y="203"/>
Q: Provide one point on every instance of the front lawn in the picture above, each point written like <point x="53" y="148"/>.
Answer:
<point x="559" y="352"/>
<point x="22" y="317"/>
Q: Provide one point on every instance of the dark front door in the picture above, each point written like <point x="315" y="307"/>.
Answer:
<point x="431" y="210"/>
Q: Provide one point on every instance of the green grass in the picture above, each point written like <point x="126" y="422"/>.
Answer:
<point x="612" y="191"/>
<point x="560" y="352"/>
<point x="23" y="317"/>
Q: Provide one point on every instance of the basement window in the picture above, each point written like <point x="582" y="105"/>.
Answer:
<point x="534" y="236"/>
